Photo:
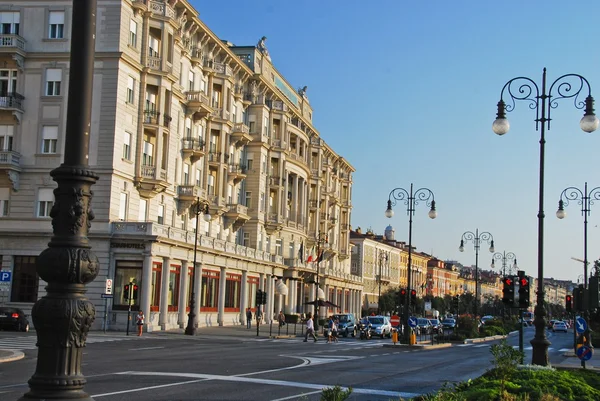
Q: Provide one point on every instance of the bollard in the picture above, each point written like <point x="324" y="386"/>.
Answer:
<point x="394" y="336"/>
<point x="271" y="329"/>
<point x="413" y="338"/>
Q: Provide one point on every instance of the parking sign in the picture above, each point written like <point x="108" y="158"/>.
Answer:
<point x="5" y="276"/>
<point x="108" y="289"/>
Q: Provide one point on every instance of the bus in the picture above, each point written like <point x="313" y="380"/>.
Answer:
<point x="528" y="318"/>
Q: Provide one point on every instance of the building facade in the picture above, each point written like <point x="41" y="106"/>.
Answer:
<point x="184" y="126"/>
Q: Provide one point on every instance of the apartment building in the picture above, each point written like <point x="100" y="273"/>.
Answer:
<point x="195" y="140"/>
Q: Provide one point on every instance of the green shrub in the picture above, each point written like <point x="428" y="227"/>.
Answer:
<point x="335" y="394"/>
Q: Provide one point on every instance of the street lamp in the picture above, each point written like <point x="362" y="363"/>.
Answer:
<point x="382" y="258"/>
<point x="476" y="238"/>
<point x="586" y="199"/>
<point x="411" y="200"/>
<point x="523" y="88"/>
<point x="321" y="239"/>
<point x="197" y="209"/>
<point x="504" y="256"/>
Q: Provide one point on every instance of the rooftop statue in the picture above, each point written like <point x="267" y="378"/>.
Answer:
<point x="262" y="47"/>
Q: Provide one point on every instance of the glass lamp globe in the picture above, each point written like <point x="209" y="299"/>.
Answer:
<point x="461" y="248"/>
<point x="589" y="123"/>
<point x="389" y="213"/>
<point x="207" y="217"/>
<point x="321" y="294"/>
<point x="492" y="249"/>
<point x="501" y="126"/>
<point x="561" y="214"/>
<point x="432" y="214"/>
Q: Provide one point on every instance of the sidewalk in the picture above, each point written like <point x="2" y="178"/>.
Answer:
<point x="10" y="356"/>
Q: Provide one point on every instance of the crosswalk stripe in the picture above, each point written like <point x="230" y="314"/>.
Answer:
<point x="28" y="343"/>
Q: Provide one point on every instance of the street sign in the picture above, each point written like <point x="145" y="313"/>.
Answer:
<point x="5" y="276"/>
<point x="585" y="353"/>
<point x="395" y="320"/>
<point x="580" y="325"/>
<point x="428" y="306"/>
<point x="412" y="322"/>
<point x="108" y="288"/>
<point x="106" y="295"/>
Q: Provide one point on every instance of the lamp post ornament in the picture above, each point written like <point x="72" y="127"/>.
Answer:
<point x="504" y="256"/>
<point x="476" y="238"/>
<point x="569" y="86"/>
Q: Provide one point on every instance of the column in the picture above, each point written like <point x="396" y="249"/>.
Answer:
<point x="221" y="302"/>
<point x="288" y="297"/>
<point x="184" y="282"/>
<point x="360" y="300"/>
<point x="270" y="295"/>
<point x="197" y="291"/>
<point x="164" y="293"/>
<point x="295" y="199"/>
<point x="277" y="297"/>
<point x="293" y="295"/>
<point x="146" y="289"/>
<point x="311" y="297"/>
<point x="343" y="303"/>
<point x="323" y="311"/>
<point x="244" y="298"/>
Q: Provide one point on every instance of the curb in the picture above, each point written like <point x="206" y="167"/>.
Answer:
<point x="418" y="346"/>
<point x="483" y="339"/>
<point x="14" y="356"/>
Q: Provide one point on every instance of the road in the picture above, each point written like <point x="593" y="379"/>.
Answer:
<point x="171" y="366"/>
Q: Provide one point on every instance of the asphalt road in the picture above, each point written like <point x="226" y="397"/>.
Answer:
<point x="211" y="367"/>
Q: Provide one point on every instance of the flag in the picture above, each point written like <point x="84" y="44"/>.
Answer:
<point x="301" y="252"/>
<point x="311" y="255"/>
<point x="320" y="257"/>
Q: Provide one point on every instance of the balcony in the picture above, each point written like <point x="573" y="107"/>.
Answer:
<point x="10" y="162"/>
<point x="192" y="149"/>
<point x="240" y="134"/>
<point x="236" y="216"/>
<point x="237" y="172"/>
<point x="161" y="9"/>
<point x="278" y="144"/>
<point x="12" y="44"/>
<point x="13" y="102"/>
<point x="276" y="182"/>
<point x="277" y="105"/>
<point x="345" y="254"/>
<point x="216" y="205"/>
<point x="274" y="223"/>
<point x="238" y="92"/>
<point x="196" y="56"/>
<point x="313" y="204"/>
<point x="154" y="63"/>
<point x="151" y="117"/>
<point x="219" y="114"/>
<point x="198" y="104"/>
<point x="152" y="181"/>
<point x="214" y="158"/>
<point x="218" y="68"/>
<point x="187" y="195"/>
<point x="139" y="5"/>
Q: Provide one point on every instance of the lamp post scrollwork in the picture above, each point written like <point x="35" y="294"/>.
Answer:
<point x="569" y="86"/>
<point x="505" y="257"/>
<point x="476" y="238"/>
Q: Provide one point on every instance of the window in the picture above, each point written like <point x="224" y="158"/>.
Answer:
<point x="127" y="271"/>
<point x="147" y="157"/>
<point x="4" y="202"/>
<point x="155" y="286"/>
<point x="233" y="289"/>
<point x="9" y="21"/>
<point x="161" y="212"/>
<point x="173" y="296"/>
<point x="181" y="74"/>
<point x="259" y="240"/>
<point x="291" y="249"/>
<point x="264" y="163"/>
<point x="248" y="200"/>
<point x="261" y="206"/>
<point x="127" y="146"/>
<point x="56" y="24"/>
<point x="211" y="184"/>
<point x="188" y="128"/>
<point x="266" y="126"/>
<point x="186" y="174"/>
<point x="249" y="164"/>
<point x="143" y="210"/>
<point x="53" y="80"/>
<point x="252" y="287"/>
<point x="132" y="33"/>
<point x="210" y="291"/>
<point x="234" y="113"/>
<point x="25" y="280"/>
<point x="153" y="47"/>
<point x="49" y="139"/>
<point x="8" y="85"/>
<point x="246" y="239"/>
<point x="122" y="206"/>
<point x="6" y="137"/>
<point x="278" y="247"/>
<point x="45" y="202"/>
<point x="130" y="90"/>
<point x="191" y="77"/>
<point x="198" y="177"/>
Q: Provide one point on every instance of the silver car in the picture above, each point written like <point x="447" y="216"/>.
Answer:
<point x="380" y="326"/>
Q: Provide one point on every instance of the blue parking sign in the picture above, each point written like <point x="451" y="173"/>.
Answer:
<point x="5" y="276"/>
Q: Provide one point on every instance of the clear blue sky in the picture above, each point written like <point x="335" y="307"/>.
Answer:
<point x="406" y="91"/>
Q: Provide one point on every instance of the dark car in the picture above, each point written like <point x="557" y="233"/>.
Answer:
<point x="13" y="319"/>
<point x="436" y="325"/>
<point x="424" y="326"/>
<point x="449" y="324"/>
<point x="346" y="324"/>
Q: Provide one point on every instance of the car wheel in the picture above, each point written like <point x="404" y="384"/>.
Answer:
<point x="25" y="328"/>
<point x="353" y="333"/>
<point x="345" y="334"/>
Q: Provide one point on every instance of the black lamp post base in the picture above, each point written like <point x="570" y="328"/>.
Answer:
<point x="190" y="331"/>
<point x="540" y="342"/>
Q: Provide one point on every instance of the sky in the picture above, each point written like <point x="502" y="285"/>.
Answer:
<point x="406" y="91"/>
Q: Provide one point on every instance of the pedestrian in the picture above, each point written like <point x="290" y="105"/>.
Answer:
<point x="336" y="324"/>
<point x="139" y="321"/>
<point x="249" y="318"/>
<point x="330" y="328"/>
<point x="281" y="319"/>
<point x="310" y="328"/>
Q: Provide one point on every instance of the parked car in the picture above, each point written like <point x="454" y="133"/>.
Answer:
<point x="436" y="325"/>
<point x="380" y="326"/>
<point x="13" y="319"/>
<point x="347" y="324"/>
<point x="424" y="326"/>
<point x="559" y="325"/>
<point x="449" y="324"/>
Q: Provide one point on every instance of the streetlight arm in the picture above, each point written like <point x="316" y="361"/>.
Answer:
<point x="519" y="88"/>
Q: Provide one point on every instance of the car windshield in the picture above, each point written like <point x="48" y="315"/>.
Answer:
<point x="559" y="324"/>
<point x="423" y="322"/>
<point x="342" y="319"/>
<point x="376" y="320"/>
<point x="448" y="321"/>
<point x="434" y="321"/>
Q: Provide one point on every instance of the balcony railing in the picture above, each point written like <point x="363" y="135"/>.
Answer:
<point x="15" y="41"/>
<point x="161" y="8"/>
<point x="11" y="100"/>
<point x="241" y="127"/>
<point x="192" y="144"/>
<point x="154" y="63"/>
<point x="214" y="157"/>
<point x="151" y="117"/>
<point x="191" y="191"/>
<point x="150" y="173"/>
<point x="276" y="181"/>
<point x="237" y="168"/>
<point x="9" y="157"/>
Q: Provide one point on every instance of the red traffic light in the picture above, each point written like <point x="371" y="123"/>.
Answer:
<point x="135" y="287"/>
<point x="569" y="298"/>
<point x="508" y="281"/>
<point x="403" y="292"/>
<point x="524" y="282"/>
<point x="413" y="292"/>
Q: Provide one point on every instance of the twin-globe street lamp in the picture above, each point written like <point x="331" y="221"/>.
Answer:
<point x="197" y="209"/>
<point x="410" y="199"/>
<point x="505" y="257"/>
<point x="523" y="88"/>
<point x="476" y="238"/>
<point x="586" y="199"/>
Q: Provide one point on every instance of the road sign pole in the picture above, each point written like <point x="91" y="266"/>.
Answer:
<point x="105" y="314"/>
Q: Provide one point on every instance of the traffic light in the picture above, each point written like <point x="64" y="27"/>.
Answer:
<point x="594" y="292"/>
<point x="413" y="297"/>
<point x="126" y="292"/>
<point x="523" y="292"/>
<point x="135" y="292"/>
<point x="579" y="298"/>
<point x="263" y="299"/>
<point x="402" y="296"/>
<point x="508" y="291"/>
<point x="258" y="298"/>
<point x="569" y="303"/>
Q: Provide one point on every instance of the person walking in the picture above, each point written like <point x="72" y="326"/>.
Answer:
<point x="139" y="321"/>
<point x="310" y="328"/>
<point x="330" y="328"/>
<point x="281" y="319"/>
<point x="249" y="318"/>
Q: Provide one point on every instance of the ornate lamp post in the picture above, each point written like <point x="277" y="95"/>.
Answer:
<point x="321" y="239"/>
<point x="410" y="199"/>
<point x="504" y="256"/>
<point x="382" y="259"/>
<point x="64" y="315"/>
<point x="586" y="199"/>
<point x="197" y="209"/>
<point x="476" y="238"/>
<point x="523" y="88"/>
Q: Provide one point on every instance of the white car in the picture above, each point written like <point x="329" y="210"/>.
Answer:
<point x="380" y="326"/>
<point x="559" y="326"/>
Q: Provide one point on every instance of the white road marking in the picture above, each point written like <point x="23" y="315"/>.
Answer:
<point x="482" y="345"/>
<point x="143" y="349"/>
<point x="294" y="397"/>
<point x="565" y="349"/>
